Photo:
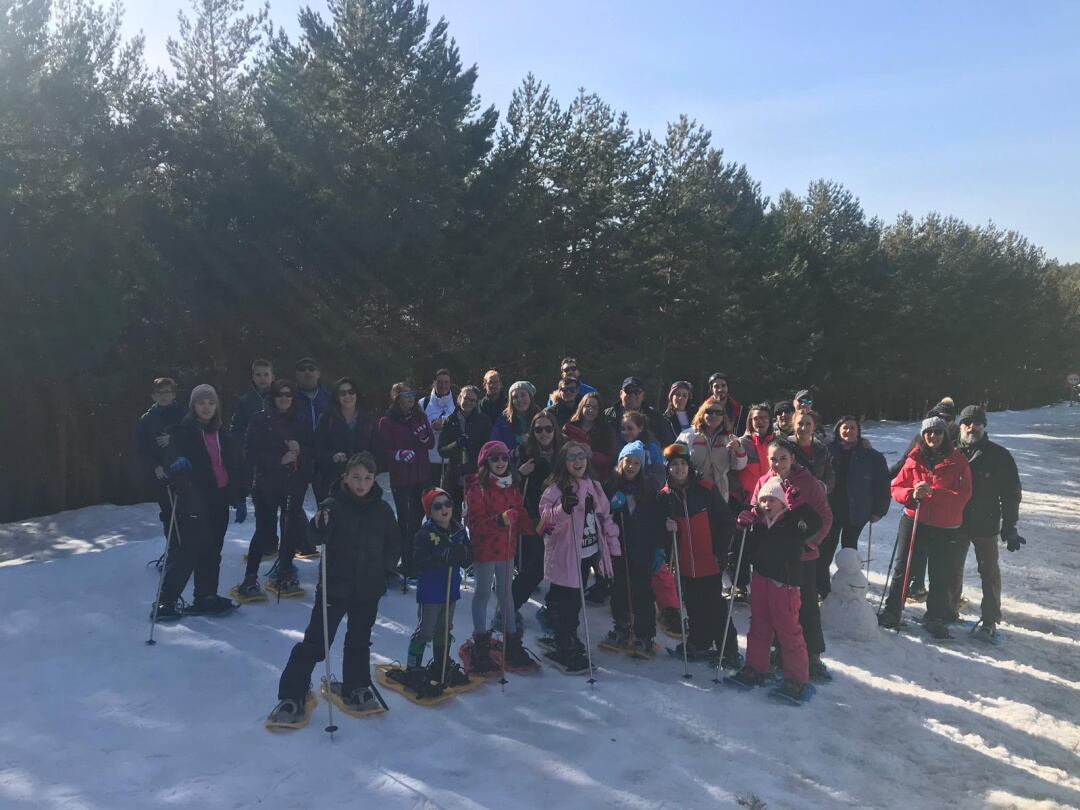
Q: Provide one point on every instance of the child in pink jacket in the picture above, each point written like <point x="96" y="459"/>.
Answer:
<point x="575" y="520"/>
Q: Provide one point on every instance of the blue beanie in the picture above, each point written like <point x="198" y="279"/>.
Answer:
<point x="635" y="449"/>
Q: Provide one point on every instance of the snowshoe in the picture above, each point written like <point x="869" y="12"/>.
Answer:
<point x="455" y="675"/>
<point x="211" y="606"/>
<point x="568" y="660"/>
<point x="308" y="551"/>
<point x="516" y="656"/>
<point x="987" y="633"/>
<point x="889" y="621"/>
<point x="476" y="655"/>
<point x="670" y="621"/>
<point x="248" y="591"/>
<point x="917" y="594"/>
<point x="939" y="631"/>
<point x="617" y="640"/>
<point x="745" y="678"/>
<point x="693" y="653"/>
<point x="167" y="612"/>
<point x="358" y="702"/>
<point x="733" y="661"/>
<point x="644" y="648"/>
<point x="790" y="692"/>
<point x="285" y="585"/>
<point x="291" y="713"/>
<point x="412" y="684"/>
<point x="819" y="673"/>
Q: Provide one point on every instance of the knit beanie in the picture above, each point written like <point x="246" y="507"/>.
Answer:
<point x="634" y="449"/>
<point x="683" y="384"/>
<point x="673" y="452"/>
<point x="528" y="386"/>
<point x="495" y="448"/>
<point x="772" y="488"/>
<point x="934" y="423"/>
<point x="976" y="413"/>
<point x="203" y="391"/>
<point x="428" y="498"/>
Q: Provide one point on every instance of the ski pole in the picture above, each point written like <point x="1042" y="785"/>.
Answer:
<point x="446" y="622"/>
<point x="506" y="604"/>
<point x="164" y="561"/>
<point x="581" y="589"/>
<point x="907" y="567"/>
<point x="730" y="603"/>
<point x="682" y="604"/>
<point x="330" y="728"/>
<point x="888" y="573"/>
<point x="869" y="548"/>
<point x="626" y="568"/>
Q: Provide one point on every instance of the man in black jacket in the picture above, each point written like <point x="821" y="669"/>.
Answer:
<point x="994" y="508"/>
<point x="151" y="439"/>
<point x="245" y="407"/>
<point x="631" y="398"/>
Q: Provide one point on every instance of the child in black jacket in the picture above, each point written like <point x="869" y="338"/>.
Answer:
<point x="360" y="536"/>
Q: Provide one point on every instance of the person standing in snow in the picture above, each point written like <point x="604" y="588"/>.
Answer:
<point x="342" y="432"/>
<point x="575" y="520"/>
<point x="205" y="467"/>
<point x="495" y="398"/>
<point x="243" y="409"/>
<point x="755" y="443"/>
<point x="936" y="479"/>
<point x="564" y="400"/>
<point x="152" y="440"/>
<point x="405" y="436"/>
<point x="734" y="417"/>
<point x="784" y="414"/>
<point x="438" y="407"/>
<point x="678" y="414"/>
<point x="465" y="431"/>
<point x="713" y="450"/>
<point x="993" y="511"/>
<point x="361" y="538"/>
<point x="860" y="495"/>
<point x="631" y="398"/>
<point x="810" y="451"/>
<point x="635" y="428"/>
<point x="512" y="426"/>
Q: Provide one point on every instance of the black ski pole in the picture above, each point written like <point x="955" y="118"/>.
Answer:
<point x="730" y="605"/>
<point x="164" y="561"/>
<point x="330" y="728"/>
<point x="889" y="574"/>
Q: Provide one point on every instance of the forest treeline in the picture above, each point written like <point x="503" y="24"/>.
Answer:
<point x="345" y="195"/>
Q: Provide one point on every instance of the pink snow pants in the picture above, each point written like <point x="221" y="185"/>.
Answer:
<point x="774" y="610"/>
<point x="663" y="588"/>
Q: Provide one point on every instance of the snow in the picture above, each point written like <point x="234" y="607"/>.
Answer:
<point x="93" y="719"/>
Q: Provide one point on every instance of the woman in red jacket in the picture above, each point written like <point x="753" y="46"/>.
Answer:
<point x="494" y="515"/>
<point x="936" y="481"/>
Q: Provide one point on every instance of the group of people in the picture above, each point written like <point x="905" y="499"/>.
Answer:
<point x="654" y="505"/>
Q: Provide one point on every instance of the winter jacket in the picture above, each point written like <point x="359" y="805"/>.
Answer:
<point x="462" y="463"/>
<point x="614" y="415"/>
<point x="312" y="406"/>
<point x="265" y="444"/>
<point x="776" y="551"/>
<point x="243" y="409"/>
<point x="561" y="412"/>
<point x="995" y="489"/>
<point x="151" y="425"/>
<point x="757" y="464"/>
<point x="954" y="437"/>
<point x="670" y="427"/>
<point x="705" y="526"/>
<point x="195" y="487"/>
<point x="950" y="488"/>
<point x="437" y="407"/>
<point x="334" y="435"/>
<point x="818" y="460"/>
<point x="511" y="436"/>
<point x="735" y="416"/>
<point x="431" y="561"/>
<point x="711" y="457"/>
<point x="490" y="541"/>
<point x="583" y="388"/>
<point x="532" y="486"/>
<point x="492" y="408"/>
<point x="640" y="521"/>
<point x="362" y="541"/>
<point x="563" y="533"/>
<point x="862" y="483"/>
<point x="813" y="491"/>
<point x="399" y="433"/>
<point x="603" y="459"/>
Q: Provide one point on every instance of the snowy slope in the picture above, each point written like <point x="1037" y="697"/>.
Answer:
<point x="92" y="718"/>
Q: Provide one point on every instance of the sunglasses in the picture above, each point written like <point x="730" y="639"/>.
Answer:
<point x="806" y="401"/>
<point x="576" y="456"/>
<point x="569" y="368"/>
<point x="544" y="429"/>
<point x="347" y="392"/>
<point x="498" y="459"/>
<point x="283" y="395"/>
<point x="440" y="505"/>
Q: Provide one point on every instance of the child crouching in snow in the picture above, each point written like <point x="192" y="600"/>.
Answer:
<point x="779" y="527"/>
<point x="360" y="535"/>
<point x="440" y="549"/>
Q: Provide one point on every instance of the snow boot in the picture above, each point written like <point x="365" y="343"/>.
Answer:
<point x="986" y="633"/>
<point x="168" y="612"/>
<point x="791" y="692"/>
<point x="617" y="639"/>
<point x="939" y="631"/>
<point x="917" y="594"/>
<point x="515" y="651"/>
<point x="819" y="673"/>
<point x="481" y="654"/>
<point x="671" y="622"/>
<point x="249" y="590"/>
<point x="568" y="657"/>
<point x="361" y="699"/>
<point x="745" y="678"/>
<point x="416" y="680"/>
<point x="285" y="583"/>
<point x="291" y="712"/>
<point x="455" y="675"/>
<point x="889" y="621"/>
<point x="211" y="606"/>
<point x="732" y="660"/>
<point x="643" y="648"/>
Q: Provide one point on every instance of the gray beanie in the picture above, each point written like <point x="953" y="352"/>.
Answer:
<point x="528" y="386"/>
<point x="934" y="423"/>
<point x="204" y="391"/>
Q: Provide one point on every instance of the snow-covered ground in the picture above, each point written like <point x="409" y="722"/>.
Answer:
<point x="93" y="718"/>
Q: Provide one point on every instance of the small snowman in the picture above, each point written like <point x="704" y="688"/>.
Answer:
<point x="845" y="612"/>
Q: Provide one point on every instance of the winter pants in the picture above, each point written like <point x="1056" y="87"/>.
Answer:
<point x="530" y="568"/>
<point x="486" y="573"/>
<point x="270" y="508"/>
<point x="774" y="612"/>
<point x="435" y="624"/>
<point x="355" y="668"/>
<point x="741" y="577"/>
<point x="564" y="612"/>
<point x="410" y="513"/>
<point x="664" y="590"/>
<point x="944" y="549"/>
<point x="986" y="554"/>
<point x="809" y="610"/>
<point x="198" y="549"/>
<point x="636" y="594"/>
<point x="845" y="535"/>
<point x="708" y="612"/>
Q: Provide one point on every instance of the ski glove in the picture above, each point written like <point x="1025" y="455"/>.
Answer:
<point x="507" y="518"/>
<point x="1012" y="540"/>
<point x="241" y="511"/>
<point x="746" y="519"/>
<point x="180" y="465"/>
<point x="569" y="501"/>
<point x="406" y="456"/>
<point x="618" y="500"/>
<point x="463" y="442"/>
<point x="421" y="431"/>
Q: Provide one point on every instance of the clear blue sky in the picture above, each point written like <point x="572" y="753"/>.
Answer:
<point x="966" y="108"/>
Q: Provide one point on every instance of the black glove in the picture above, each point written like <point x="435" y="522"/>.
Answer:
<point x="459" y="554"/>
<point x="590" y="504"/>
<point x="569" y="501"/>
<point x="1011" y="539"/>
<point x="463" y="442"/>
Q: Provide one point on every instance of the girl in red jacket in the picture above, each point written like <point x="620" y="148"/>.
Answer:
<point x="494" y="515"/>
<point x="936" y="480"/>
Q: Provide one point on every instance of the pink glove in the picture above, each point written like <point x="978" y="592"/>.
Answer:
<point x="406" y="456"/>
<point x="746" y="518"/>
<point x="421" y="431"/>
